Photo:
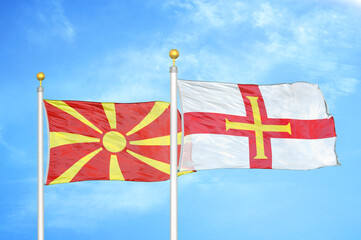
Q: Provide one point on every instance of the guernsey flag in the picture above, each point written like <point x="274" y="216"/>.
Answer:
<point x="108" y="141"/>
<point x="283" y="126"/>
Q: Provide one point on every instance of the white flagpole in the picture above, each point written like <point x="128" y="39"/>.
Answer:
<point x="40" y="76"/>
<point x="173" y="148"/>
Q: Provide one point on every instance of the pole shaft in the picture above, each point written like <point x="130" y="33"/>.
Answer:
<point x="173" y="155"/>
<point x="40" y="91"/>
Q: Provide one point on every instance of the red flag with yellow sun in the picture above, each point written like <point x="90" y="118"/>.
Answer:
<point x="108" y="141"/>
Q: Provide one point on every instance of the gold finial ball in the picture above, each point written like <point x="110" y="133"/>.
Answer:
<point x="40" y="76"/>
<point x="173" y="53"/>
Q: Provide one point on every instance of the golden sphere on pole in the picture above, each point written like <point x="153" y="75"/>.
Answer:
<point x="40" y="76"/>
<point x="173" y="53"/>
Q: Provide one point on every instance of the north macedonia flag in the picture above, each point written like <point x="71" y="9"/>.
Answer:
<point x="108" y="141"/>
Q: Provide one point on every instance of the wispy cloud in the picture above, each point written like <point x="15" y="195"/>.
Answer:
<point x="52" y="22"/>
<point x="356" y="3"/>
<point x="80" y="205"/>
<point x="132" y="75"/>
<point x="270" y="44"/>
<point x="348" y="85"/>
<point x="282" y="45"/>
<point x="336" y="88"/>
<point x="12" y="151"/>
<point x="137" y="75"/>
<point x="209" y="187"/>
<point x="83" y="206"/>
<point x="267" y="16"/>
<point x="209" y="13"/>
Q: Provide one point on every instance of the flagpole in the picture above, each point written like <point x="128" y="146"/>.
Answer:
<point x="40" y="76"/>
<point x="173" y="148"/>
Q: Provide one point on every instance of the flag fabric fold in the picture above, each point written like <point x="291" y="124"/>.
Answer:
<point x="108" y="141"/>
<point x="283" y="126"/>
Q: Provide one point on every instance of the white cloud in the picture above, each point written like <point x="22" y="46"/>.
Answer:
<point x="210" y="13"/>
<point x="356" y="3"/>
<point x="280" y="36"/>
<point x="313" y="44"/>
<point x="267" y="16"/>
<point x="338" y="87"/>
<point x="306" y="41"/>
<point x="84" y="205"/>
<point x="13" y="151"/>
<point x="123" y="75"/>
<point x="210" y="184"/>
<point x="135" y="75"/>
<point x="52" y="22"/>
<point x="348" y="85"/>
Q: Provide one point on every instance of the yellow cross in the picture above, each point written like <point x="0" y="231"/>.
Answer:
<point x="258" y="127"/>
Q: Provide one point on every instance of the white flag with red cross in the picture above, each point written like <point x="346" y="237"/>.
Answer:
<point x="283" y="126"/>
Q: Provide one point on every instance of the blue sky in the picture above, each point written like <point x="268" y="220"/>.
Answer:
<point x="118" y="51"/>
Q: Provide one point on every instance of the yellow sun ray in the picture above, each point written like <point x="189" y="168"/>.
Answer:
<point x="161" y="166"/>
<point x="157" y="110"/>
<point x="63" y="138"/>
<point x="114" y="170"/>
<point x="158" y="141"/>
<point x="109" y="109"/>
<point x="71" y="111"/>
<point x="70" y="173"/>
<point x="184" y="172"/>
